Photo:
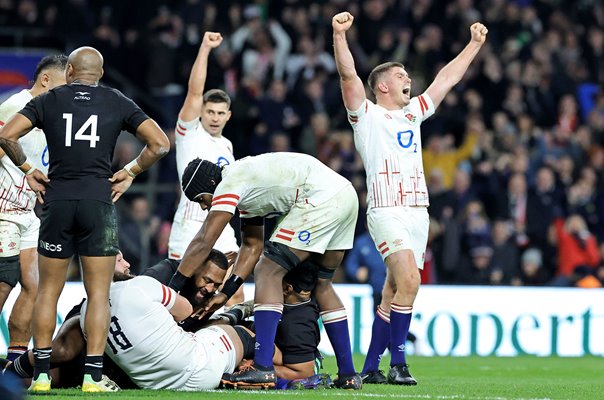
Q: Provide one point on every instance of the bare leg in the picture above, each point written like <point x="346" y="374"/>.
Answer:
<point x="98" y="272"/>
<point x="20" y="320"/>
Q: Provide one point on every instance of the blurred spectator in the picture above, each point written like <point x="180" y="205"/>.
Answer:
<point x="531" y="269"/>
<point x="578" y="253"/>
<point x="136" y="232"/>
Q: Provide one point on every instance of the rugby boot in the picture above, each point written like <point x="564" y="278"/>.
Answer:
<point x="400" y="375"/>
<point x="350" y="382"/>
<point x="89" y="385"/>
<point x="42" y="384"/>
<point x="374" y="377"/>
<point x="250" y="377"/>
<point x="318" y="381"/>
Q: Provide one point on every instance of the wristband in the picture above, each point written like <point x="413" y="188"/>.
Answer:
<point x="131" y="165"/>
<point x="231" y="285"/>
<point x="27" y="167"/>
<point x="178" y="281"/>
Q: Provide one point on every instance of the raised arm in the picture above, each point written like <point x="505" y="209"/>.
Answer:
<point x="191" y="109"/>
<point x="353" y="91"/>
<point x="452" y="73"/>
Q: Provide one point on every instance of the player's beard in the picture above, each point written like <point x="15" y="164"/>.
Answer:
<point x="198" y="302"/>
<point x="120" y="276"/>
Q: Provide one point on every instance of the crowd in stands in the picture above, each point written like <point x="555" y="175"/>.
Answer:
<point x="514" y="157"/>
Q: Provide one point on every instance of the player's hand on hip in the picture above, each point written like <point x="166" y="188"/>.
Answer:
<point x="342" y="22"/>
<point x="211" y="39"/>
<point x="218" y="300"/>
<point x="120" y="182"/>
<point x="479" y="32"/>
<point x="37" y="182"/>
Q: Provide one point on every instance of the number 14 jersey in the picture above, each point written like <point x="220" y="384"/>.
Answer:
<point x="81" y="124"/>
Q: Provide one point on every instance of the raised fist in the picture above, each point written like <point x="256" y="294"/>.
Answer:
<point x="342" y="22"/>
<point x="211" y="39"/>
<point x="479" y="32"/>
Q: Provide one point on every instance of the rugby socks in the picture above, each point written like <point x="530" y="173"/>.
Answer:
<point x="14" y="352"/>
<point x="400" y="319"/>
<point x="266" y="318"/>
<point x="22" y="367"/>
<point x="41" y="361"/>
<point x="336" y="326"/>
<point x="93" y="366"/>
<point x="380" y="336"/>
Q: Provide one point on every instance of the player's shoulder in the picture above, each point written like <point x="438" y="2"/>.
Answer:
<point x="17" y="100"/>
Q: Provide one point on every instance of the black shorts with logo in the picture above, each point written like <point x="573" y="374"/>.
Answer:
<point x="86" y="227"/>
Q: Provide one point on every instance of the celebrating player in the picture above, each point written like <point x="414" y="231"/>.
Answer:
<point x="81" y="122"/>
<point x="387" y="136"/>
<point x="319" y="210"/>
<point x="19" y="225"/>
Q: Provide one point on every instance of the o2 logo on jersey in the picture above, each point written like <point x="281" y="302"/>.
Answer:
<point x="405" y="140"/>
<point x="222" y="161"/>
<point x="45" y="158"/>
<point x="304" y="237"/>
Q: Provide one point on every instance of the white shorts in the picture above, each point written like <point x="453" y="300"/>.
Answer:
<point x="399" y="228"/>
<point x="328" y="226"/>
<point x="184" y="231"/>
<point x="217" y="356"/>
<point x="18" y="232"/>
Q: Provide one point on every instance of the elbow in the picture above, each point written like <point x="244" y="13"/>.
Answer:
<point x="161" y="147"/>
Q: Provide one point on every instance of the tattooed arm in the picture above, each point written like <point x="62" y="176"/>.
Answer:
<point x="15" y="127"/>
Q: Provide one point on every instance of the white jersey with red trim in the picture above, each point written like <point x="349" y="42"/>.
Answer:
<point x="270" y="184"/>
<point x="192" y="141"/>
<point x="16" y="197"/>
<point x="390" y="144"/>
<point x="144" y="340"/>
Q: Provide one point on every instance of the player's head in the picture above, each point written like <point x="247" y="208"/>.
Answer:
<point x="215" y="111"/>
<point x="122" y="268"/>
<point x="390" y="80"/>
<point x="210" y="277"/>
<point x="299" y="283"/>
<point x="50" y="72"/>
<point x="199" y="181"/>
<point x="85" y="64"/>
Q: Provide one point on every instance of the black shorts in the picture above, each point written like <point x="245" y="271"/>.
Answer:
<point x="85" y="227"/>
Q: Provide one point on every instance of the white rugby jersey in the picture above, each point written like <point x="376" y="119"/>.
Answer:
<point x="193" y="141"/>
<point x="16" y="197"/>
<point x="390" y="145"/>
<point x="144" y="340"/>
<point x="270" y="184"/>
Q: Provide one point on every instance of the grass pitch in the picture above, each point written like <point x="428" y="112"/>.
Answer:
<point x="472" y="378"/>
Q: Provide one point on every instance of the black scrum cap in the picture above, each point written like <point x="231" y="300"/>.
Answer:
<point x="200" y="176"/>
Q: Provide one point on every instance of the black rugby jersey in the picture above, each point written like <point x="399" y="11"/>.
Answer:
<point x="81" y="124"/>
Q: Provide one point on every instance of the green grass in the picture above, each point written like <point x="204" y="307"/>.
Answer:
<point x="475" y="378"/>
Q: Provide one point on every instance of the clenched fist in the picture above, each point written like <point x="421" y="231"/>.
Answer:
<point x="211" y="39"/>
<point x="479" y="32"/>
<point x="342" y="22"/>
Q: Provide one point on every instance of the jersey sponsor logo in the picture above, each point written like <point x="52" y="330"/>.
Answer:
<point x="45" y="158"/>
<point x="50" y="246"/>
<point x="405" y="139"/>
<point x="82" y="96"/>
<point x="222" y="161"/>
<point x="304" y="237"/>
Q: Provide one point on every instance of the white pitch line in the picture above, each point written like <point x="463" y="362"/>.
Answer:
<point x="375" y="395"/>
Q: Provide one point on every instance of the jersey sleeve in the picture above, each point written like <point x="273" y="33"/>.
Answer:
<point x="133" y="116"/>
<point x="185" y="128"/>
<point x="422" y="105"/>
<point x="227" y="196"/>
<point x="356" y="116"/>
<point x="158" y="292"/>
<point x="34" y="111"/>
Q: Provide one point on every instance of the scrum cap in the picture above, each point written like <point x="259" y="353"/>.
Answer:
<point x="200" y="176"/>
